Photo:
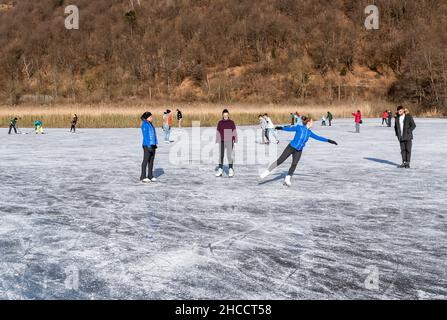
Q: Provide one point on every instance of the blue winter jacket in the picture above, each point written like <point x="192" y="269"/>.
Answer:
<point x="149" y="134"/>
<point x="302" y="135"/>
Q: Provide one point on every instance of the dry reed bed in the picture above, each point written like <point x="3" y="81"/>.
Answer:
<point x="128" y="116"/>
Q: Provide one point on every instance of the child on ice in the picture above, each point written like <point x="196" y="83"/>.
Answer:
<point x="38" y="127"/>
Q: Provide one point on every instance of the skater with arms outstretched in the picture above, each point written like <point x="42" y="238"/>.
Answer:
<point x="295" y="148"/>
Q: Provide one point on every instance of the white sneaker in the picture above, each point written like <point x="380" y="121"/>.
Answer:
<point x="167" y="142"/>
<point x="146" y="180"/>
<point x="154" y="179"/>
<point x="219" y="173"/>
<point x="287" y="181"/>
<point x="231" y="173"/>
<point x="264" y="174"/>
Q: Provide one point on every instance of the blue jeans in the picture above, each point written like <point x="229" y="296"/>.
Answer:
<point x="272" y="132"/>
<point x="167" y="131"/>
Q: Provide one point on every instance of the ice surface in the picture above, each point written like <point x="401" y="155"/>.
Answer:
<point x="75" y="223"/>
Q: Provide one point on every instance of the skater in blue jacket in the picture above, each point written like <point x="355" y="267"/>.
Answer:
<point x="150" y="142"/>
<point x="295" y="148"/>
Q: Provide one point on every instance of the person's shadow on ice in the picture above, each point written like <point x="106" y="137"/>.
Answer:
<point x="382" y="161"/>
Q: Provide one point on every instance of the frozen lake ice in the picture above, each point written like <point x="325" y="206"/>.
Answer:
<point x="75" y="223"/>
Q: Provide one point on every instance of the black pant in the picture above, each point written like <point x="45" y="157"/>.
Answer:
<point x="148" y="163"/>
<point x="266" y="134"/>
<point x="73" y="128"/>
<point x="289" y="151"/>
<point x="405" y="150"/>
<point x="12" y="127"/>
<point x="229" y="146"/>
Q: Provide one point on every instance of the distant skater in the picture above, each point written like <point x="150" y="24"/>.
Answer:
<point x="226" y="137"/>
<point x="295" y="148"/>
<point x="299" y="120"/>
<point x="385" y="117"/>
<point x="264" y="133"/>
<point x="179" y="118"/>
<point x="404" y="127"/>
<point x="323" y="121"/>
<point x="74" y="122"/>
<point x="293" y="119"/>
<point x="329" y="118"/>
<point x="13" y="125"/>
<point x="150" y="143"/>
<point x="271" y="129"/>
<point x="38" y="127"/>
<point x="358" y="120"/>
<point x="390" y="117"/>
<point x="167" y="125"/>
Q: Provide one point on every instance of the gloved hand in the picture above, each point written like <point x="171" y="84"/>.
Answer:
<point x="278" y="128"/>
<point x="332" y="142"/>
<point x="154" y="146"/>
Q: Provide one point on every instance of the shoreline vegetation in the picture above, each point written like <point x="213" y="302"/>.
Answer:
<point x="127" y="115"/>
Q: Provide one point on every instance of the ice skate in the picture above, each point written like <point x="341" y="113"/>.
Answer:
<point x="264" y="174"/>
<point x="219" y="173"/>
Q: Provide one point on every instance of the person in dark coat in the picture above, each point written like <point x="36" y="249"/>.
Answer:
<point x="390" y="117"/>
<point x="179" y="118"/>
<point x="74" y="122"/>
<point x="329" y="118"/>
<point x="404" y="127"/>
<point x="13" y="125"/>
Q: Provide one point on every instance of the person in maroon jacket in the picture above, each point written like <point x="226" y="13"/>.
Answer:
<point x="226" y="136"/>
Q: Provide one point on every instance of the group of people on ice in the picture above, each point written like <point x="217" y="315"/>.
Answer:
<point x="327" y="118"/>
<point x="387" y="116"/>
<point x="226" y="137"/>
<point x="167" y="124"/>
<point x="38" y="125"/>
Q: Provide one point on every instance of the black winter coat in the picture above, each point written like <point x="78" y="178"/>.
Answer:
<point x="407" y="133"/>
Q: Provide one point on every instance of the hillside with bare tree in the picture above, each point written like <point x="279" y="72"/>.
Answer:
<point x="269" y="51"/>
